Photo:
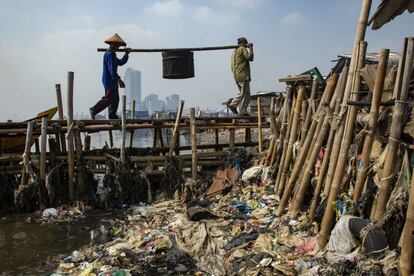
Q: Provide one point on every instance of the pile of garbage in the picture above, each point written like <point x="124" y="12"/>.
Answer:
<point x="233" y="230"/>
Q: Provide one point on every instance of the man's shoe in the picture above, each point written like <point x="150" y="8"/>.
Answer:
<point x="92" y="113"/>
<point x="114" y="117"/>
<point x="233" y="109"/>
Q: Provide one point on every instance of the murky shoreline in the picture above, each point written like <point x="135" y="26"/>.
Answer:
<point x="28" y="247"/>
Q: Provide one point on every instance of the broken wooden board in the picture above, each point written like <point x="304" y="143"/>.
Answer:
<point x="220" y="179"/>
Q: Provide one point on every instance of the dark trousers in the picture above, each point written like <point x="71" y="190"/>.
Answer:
<point x="110" y="101"/>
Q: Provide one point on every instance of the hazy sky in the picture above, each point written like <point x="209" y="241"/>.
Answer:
<point x="41" y="40"/>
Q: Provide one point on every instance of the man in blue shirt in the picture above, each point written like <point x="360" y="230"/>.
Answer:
<point x="110" y="78"/>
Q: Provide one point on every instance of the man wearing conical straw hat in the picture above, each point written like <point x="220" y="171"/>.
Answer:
<point x="110" y="78"/>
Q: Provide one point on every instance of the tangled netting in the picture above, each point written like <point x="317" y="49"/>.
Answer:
<point x="173" y="178"/>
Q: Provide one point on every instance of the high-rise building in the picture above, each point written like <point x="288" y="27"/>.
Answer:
<point x="153" y="104"/>
<point x="172" y="102"/>
<point x="133" y="90"/>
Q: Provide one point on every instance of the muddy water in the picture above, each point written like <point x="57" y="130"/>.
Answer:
<point x="26" y="248"/>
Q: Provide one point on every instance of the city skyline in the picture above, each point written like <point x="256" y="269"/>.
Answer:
<point x="64" y="35"/>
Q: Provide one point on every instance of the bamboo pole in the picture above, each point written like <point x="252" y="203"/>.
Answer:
<point x="43" y="139"/>
<point x="26" y="155"/>
<point x="176" y="128"/>
<point x="111" y="139"/>
<point x="70" y="136"/>
<point x="37" y="147"/>
<point x="216" y="138"/>
<point x="276" y="146"/>
<point x="259" y="125"/>
<point x="174" y="49"/>
<point x="329" y="144"/>
<point x="311" y="159"/>
<point x="247" y="135"/>
<point x="60" y="113"/>
<point x="133" y="117"/>
<point x="300" y="160"/>
<point x="400" y="72"/>
<point x="193" y="132"/>
<point x="123" y="130"/>
<point x="232" y="139"/>
<point x="372" y="126"/>
<point x="284" y="135"/>
<point x="406" y="257"/>
<point x="326" y="97"/>
<point x="293" y="135"/>
<point x="395" y="133"/>
<point x="87" y="143"/>
<point x="311" y="111"/>
<point x="327" y="220"/>
<point x="80" y="166"/>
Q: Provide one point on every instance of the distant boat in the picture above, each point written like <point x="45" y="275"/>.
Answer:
<point x="17" y="144"/>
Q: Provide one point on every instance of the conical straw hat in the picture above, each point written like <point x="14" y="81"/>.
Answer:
<point x="116" y="39"/>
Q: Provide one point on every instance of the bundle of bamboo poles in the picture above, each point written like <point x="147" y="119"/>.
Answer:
<point x="332" y="133"/>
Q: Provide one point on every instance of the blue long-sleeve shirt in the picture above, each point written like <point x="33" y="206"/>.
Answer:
<point x="110" y="75"/>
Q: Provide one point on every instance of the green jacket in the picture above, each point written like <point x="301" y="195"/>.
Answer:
<point x="240" y="64"/>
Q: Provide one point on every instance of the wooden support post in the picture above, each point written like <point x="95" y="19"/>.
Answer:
<point x="111" y="139"/>
<point x="43" y="139"/>
<point x="154" y="137"/>
<point x="37" y="146"/>
<point x="372" y="126"/>
<point x="232" y="138"/>
<point x="395" y="133"/>
<point x="26" y="155"/>
<point x="80" y="166"/>
<point x="160" y="137"/>
<point x="247" y="135"/>
<point x="133" y="116"/>
<point x="1" y="146"/>
<point x="54" y="149"/>
<point x="62" y="144"/>
<point x="87" y="143"/>
<point x="217" y="140"/>
<point x="259" y="125"/>
<point x="193" y="131"/>
<point x="123" y="130"/>
<point x="176" y="128"/>
<point x="70" y="137"/>
<point x="327" y="220"/>
<point x="177" y="144"/>
<point x="406" y="257"/>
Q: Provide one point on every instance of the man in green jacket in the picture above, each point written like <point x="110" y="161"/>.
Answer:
<point x="240" y="66"/>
